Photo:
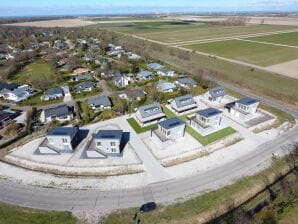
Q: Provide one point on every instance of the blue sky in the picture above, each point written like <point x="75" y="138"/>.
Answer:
<point x="68" y="7"/>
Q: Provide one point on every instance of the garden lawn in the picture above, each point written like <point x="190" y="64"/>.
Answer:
<point x="138" y="129"/>
<point x="205" y="140"/>
<point x="39" y="74"/>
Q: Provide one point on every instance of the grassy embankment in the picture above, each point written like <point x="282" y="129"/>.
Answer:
<point x="10" y="214"/>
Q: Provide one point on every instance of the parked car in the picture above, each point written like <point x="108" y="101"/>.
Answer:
<point x="150" y="206"/>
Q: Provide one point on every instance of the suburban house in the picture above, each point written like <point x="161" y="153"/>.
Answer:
<point x="106" y="143"/>
<point x="183" y="104"/>
<point x="145" y="75"/>
<point x="244" y="109"/>
<point x="166" y="72"/>
<point x="120" y="81"/>
<point x="6" y="116"/>
<point x="84" y="87"/>
<point x="155" y="66"/>
<point x="100" y="103"/>
<point x="60" y="113"/>
<point x="66" y="90"/>
<point x="53" y="93"/>
<point x="186" y="82"/>
<point x="166" y="87"/>
<point x="59" y="140"/>
<point x="58" y="44"/>
<point x="172" y="129"/>
<point x="18" y="94"/>
<point x="206" y="121"/>
<point x="132" y="56"/>
<point x="83" y="77"/>
<point x="149" y="114"/>
<point x="215" y="95"/>
<point x="80" y="71"/>
<point x="133" y="95"/>
<point x="8" y="86"/>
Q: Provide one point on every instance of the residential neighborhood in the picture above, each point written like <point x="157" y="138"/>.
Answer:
<point x="106" y="121"/>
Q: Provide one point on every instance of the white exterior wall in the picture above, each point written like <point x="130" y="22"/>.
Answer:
<point x="57" y="142"/>
<point x="173" y="133"/>
<point x="106" y="146"/>
<point x="46" y="150"/>
<point x="208" y="97"/>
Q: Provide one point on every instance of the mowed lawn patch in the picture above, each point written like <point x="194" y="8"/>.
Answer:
<point x="206" y="140"/>
<point x="38" y="74"/>
<point x="253" y="53"/>
<point x="283" y="38"/>
<point x="18" y="215"/>
<point x="138" y="129"/>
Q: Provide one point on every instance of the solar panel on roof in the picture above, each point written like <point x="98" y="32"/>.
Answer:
<point x="174" y="124"/>
<point x="108" y="136"/>
<point x="60" y="133"/>
<point x="212" y="113"/>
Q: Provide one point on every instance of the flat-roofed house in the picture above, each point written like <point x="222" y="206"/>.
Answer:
<point x="172" y="129"/>
<point x="244" y="109"/>
<point x="106" y="143"/>
<point x="149" y="114"/>
<point x="59" y="140"/>
<point x="183" y="104"/>
<point x="60" y="113"/>
<point x="215" y="95"/>
<point x="100" y="103"/>
<point x="206" y="121"/>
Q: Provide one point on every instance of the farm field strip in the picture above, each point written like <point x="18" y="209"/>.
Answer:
<point x="210" y="32"/>
<point x="261" y="42"/>
<point x="283" y="38"/>
<point x="232" y="37"/>
<point x="252" y="53"/>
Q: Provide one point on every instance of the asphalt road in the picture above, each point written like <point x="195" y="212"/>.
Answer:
<point x="167" y="191"/>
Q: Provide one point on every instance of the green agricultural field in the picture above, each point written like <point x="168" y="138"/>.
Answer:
<point x="253" y="53"/>
<point x="284" y="38"/>
<point x="39" y="74"/>
<point x="147" y="27"/>
<point x="209" y="31"/>
<point x="173" y="31"/>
